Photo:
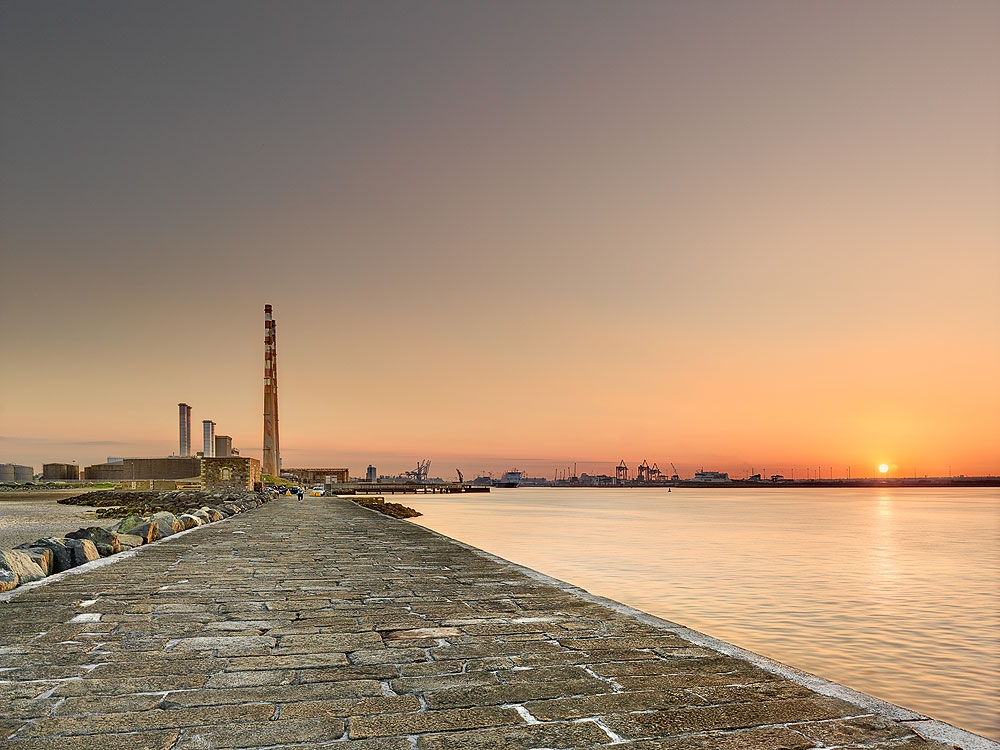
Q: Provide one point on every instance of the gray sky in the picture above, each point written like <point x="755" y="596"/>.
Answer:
<point x="727" y="233"/>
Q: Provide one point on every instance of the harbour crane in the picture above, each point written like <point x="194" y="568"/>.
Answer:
<point x="421" y="473"/>
<point x="675" y="477"/>
<point x="461" y="479"/>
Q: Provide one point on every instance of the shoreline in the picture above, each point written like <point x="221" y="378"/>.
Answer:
<point x="31" y="515"/>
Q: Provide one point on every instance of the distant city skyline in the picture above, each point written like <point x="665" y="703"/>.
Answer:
<point x="722" y="234"/>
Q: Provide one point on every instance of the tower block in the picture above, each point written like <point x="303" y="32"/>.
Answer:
<point x="271" y="463"/>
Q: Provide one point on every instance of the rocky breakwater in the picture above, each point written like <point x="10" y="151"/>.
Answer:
<point x="148" y="517"/>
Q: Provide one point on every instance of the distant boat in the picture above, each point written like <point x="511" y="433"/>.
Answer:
<point x="712" y="477"/>
<point x="511" y="479"/>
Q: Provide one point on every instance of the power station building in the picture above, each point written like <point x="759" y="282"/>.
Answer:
<point x="185" y="430"/>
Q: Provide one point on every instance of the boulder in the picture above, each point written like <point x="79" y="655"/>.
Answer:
<point x="128" y="523"/>
<point x="41" y="556"/>
<point x="8" y="580"/>
<point x="189" y="521"/>
<point x="213" y="514"/>
<point x="84" y="551"/>
<point x="167" y="523"/>
<point x="201" y="515"/>
<point x="129" y="541"/>
<point x="102" y="538"/>
<point x="149" y="532"/>
<point x="139" y="526"/>
<point x="66" y="553"/>
<point x="21" y="565"/>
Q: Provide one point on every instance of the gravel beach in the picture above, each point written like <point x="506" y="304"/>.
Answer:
<point x="27" y="516"/>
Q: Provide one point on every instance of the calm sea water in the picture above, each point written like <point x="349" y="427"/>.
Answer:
<point x="893" y="592"/>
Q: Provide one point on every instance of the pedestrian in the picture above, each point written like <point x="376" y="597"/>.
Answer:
<point x="300" y="494"/>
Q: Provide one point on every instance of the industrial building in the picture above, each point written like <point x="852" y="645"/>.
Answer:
<point x="185" y="430"/>
<point x="208" y="428"/>
<point x="16" y="473"/>
<point x="224" y="446"/>
<point x="173" y="467"/>
<point x="233" y="472"/>
<point x="61" y="472"/>
<point x="310" y="476"/>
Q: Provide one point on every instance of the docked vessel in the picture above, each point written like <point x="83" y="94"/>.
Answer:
<point x="713" y="477"/>
<point x="511" y="479"/>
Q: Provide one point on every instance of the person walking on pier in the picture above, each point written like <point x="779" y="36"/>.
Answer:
<point x="298" y="492"/>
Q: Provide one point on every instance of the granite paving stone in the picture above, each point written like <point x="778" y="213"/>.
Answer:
<point x="432" y="721"/>
<point x="501" y="694"/>
<point x="608" y="703"/>
<point x="255" y="632"/>
<point x="769" y="738"/>
<point x="564" y="735"/>
<point x="259" y="734"/>
<point x="119" y="741"/>
<point x="345" y="708"/>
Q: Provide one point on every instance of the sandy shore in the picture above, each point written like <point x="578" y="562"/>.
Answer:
<point x="27" y="516"/>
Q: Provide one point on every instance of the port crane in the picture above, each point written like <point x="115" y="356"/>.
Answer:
<point x="675" y="476"/>
<point x="420" y="474"/>
<point x="461" y="479"/>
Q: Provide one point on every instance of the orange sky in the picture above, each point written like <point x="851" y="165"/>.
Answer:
<point x="725" y="235"/>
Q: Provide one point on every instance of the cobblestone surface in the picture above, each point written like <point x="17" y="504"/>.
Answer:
<point x="323" y="624"/>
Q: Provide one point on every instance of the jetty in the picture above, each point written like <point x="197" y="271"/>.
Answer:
<point x="323" y="624"/>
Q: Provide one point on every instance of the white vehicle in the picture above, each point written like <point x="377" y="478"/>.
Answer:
<point x="316" y="491"/>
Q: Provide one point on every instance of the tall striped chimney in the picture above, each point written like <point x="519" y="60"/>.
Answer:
<point x="271" y="461"/>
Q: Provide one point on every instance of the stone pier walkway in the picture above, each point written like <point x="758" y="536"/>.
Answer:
<point x="321" y="624"/>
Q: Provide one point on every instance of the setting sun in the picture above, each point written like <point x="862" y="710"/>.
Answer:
<point x="883" y="468"/>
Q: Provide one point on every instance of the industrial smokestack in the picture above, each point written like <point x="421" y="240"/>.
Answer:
<point x="271" y="463"/>
<point x="209" y="429"/>
<point x="185" y="429"/>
